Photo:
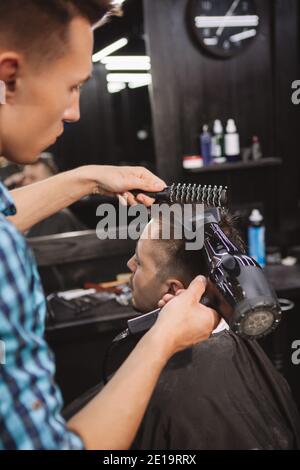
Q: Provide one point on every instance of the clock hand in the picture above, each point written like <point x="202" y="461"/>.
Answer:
<point x="229" y="13"/>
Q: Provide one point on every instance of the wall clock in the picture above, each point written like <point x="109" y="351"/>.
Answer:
<point x="223" y="28"/>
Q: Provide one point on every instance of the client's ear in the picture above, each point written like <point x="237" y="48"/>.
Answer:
<point x="174" y="285"/>
<point x="9" y="74"/>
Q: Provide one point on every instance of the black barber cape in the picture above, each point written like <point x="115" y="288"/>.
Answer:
<point x="223" y="393"/>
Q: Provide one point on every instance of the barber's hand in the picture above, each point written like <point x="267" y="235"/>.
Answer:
<point x="114" y="180"/>
<point x="167" y="297"/>
<point x="183" y="321"/>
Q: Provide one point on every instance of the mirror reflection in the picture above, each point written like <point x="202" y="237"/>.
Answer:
<point x="115" y="126"/>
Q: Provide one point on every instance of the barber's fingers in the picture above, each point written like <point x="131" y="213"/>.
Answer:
<point x="180" y="291"/>
<point x="197" y="287"/>
<point x="127" y="199"/>
<point x="147" y="201"/>
<point x="122" y="199"/>
<point x="141" y="178"/>
<point x="166" y="298"/>
<point x="139" y="199"/>
<point x="130" y="199"/>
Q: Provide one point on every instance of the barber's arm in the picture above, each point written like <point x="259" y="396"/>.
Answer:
<point x="111" y="420"/>
<point x="38" y="201"/>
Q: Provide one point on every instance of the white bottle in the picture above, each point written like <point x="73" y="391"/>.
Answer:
<point x="232" y="142"/>
<point x="218" y="142"/>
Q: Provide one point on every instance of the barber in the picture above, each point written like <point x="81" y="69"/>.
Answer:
<point x="45" y="56"/>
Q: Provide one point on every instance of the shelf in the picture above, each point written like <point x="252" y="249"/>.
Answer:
<point x="264" y="162"/>
<point x="284" y="278"/>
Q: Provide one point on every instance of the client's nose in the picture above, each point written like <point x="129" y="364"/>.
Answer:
<point x="130" y="264"/>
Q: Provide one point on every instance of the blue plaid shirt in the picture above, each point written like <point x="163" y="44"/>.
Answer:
<point x="30" y="402"/>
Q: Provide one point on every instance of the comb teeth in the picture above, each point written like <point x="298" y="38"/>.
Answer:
<point x="215" y="196"/>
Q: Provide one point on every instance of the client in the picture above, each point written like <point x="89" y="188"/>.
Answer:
<point x="223" y="393"/>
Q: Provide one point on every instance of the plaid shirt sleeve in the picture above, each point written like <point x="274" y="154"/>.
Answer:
<point x="30" y="402"/>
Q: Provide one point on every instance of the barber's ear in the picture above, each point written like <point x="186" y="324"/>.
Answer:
<point x="9" y="71"/>
<point x="174" y="285"/>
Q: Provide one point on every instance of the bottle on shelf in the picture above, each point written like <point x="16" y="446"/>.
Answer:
<point x="218" y="153"/>
<point x="191" y="162"/>
<point x="256" y="237"/>
<point x="256" y="149"/>
<point x="205" y="146"/>
<point x="232" y="142"/>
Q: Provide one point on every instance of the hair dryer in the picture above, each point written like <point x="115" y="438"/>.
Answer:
<point x="240" y="290"/>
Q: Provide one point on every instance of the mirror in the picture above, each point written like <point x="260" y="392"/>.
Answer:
<point x="116" y="123"/>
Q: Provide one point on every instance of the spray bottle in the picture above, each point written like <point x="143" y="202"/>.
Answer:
<point x="256" y="237"/>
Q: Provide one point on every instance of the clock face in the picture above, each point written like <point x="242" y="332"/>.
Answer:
<point x="224" y="28"/>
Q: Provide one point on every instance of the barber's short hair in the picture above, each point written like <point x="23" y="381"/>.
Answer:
<point x="188" y="264"/>
<point x="39" y="28"/>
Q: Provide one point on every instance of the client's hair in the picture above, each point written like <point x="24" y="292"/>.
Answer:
<point x="188" y="264"/>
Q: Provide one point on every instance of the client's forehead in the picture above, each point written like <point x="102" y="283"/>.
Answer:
<point x="149" y="244"/>
<point x="151" y="230"/>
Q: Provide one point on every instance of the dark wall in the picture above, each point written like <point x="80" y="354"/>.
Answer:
<point x="286" y="66"/>
<point x="91" y="140"/>
<point x="190" y="89"/>
<point x="107" y="131"/>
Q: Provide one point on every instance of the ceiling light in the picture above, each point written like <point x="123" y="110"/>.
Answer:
<point x="116" y="59"/>
<point x="115" y="46"/>
<point x="139" y="84"/>
<point x="128" y="66"/>
<point x="127" y="63"/>
<point x="115" y="87"/>
<point x="128" y="77"/>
